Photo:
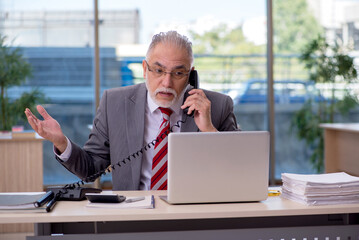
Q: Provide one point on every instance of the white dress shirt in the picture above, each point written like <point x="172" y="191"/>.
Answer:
<point x="153" y="120"/>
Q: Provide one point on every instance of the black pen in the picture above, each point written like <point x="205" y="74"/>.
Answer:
<point x="50" y="205"/>
<point x="44" y="199"/>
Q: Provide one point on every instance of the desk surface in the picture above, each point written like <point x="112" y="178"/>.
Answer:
<point x="78" y="212"/>
<point x="349" y="127"/>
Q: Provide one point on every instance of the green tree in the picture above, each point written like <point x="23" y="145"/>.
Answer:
<point x="13" y="72"/>
<point x="293" y="26"/>
<point x="330" y="65"/>
<point x="223" y="40"/>
<point x="293" y="22"/>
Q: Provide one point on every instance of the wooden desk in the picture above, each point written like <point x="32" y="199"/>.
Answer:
<point x="341" y="147"/>
<point x="274" y="218"/>
<point x="21" y="171"/>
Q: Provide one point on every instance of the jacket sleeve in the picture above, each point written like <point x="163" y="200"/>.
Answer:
<point x="95" y="155"/>
<point x="222" y="115"/>
<point x="228" y="119"/>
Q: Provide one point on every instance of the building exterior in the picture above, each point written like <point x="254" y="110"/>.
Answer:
<point x="70" y="28"/>
<point x="340" y="20"/>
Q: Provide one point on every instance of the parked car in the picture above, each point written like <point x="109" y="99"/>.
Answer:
<point x="285" y="91"/>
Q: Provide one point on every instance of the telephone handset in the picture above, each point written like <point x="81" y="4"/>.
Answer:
<point x="193" y="81"/>
<point x="193" y="78"/>
<point x="67" y="192"/>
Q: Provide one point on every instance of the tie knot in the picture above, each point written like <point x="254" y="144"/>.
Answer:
<point x="166" y="112"/>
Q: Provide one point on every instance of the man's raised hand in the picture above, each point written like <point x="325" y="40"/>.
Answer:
<point x="48" y="128"/>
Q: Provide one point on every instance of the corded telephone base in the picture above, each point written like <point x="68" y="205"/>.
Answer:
<point x="72" y="194"/>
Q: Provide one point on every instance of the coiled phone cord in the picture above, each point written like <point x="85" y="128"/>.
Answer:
<point x="124" y="161"/>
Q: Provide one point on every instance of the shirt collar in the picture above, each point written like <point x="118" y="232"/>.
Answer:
<point x="176" y="107"/>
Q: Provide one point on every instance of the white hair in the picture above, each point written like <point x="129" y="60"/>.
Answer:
<point x="171" y="37"/>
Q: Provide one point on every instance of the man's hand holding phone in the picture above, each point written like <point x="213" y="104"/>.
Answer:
<point x="198" y="103"/>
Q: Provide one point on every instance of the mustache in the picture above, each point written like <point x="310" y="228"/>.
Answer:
<point x="166" y="90"/>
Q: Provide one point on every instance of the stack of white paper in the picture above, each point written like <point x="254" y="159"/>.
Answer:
<point x="321" y="189"/>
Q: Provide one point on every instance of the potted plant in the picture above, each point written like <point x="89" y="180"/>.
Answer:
<point x="328" y="65"/>
<point x="14" y="70"/>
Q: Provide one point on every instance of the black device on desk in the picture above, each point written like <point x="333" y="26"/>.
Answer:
<point x="67" y="193"/>
<point x="44" y="199"/>
<point x="72" y="194"/>
<point x="105" y="198"/>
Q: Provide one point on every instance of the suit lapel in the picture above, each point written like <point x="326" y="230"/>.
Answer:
<point x="135" y="110"/>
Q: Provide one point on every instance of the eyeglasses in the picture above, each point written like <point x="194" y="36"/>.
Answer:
<point x="159" y="72"/>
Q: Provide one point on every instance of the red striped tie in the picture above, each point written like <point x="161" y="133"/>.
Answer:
<point x="159" y="162"/>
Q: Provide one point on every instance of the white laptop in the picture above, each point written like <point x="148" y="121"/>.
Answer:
<point x="217" y="167"/>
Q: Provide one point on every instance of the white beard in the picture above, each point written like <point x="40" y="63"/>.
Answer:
<point x="167" y="90"/>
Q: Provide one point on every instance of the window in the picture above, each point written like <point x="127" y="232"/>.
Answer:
<point x="58" y="44"/>
<point x="229" y="46"/>
<point x="295" y="24"/>
<point x="229" y="43"/>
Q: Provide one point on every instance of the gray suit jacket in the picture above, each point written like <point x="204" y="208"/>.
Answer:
<point x="118" y="131"/>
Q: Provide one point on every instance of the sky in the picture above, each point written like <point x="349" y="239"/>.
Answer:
<point x="158" y="15"/>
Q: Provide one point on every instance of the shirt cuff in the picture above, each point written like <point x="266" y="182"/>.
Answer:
<point x="66" y="154"/>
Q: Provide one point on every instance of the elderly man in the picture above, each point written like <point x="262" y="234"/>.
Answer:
<point x="130" y="117"/>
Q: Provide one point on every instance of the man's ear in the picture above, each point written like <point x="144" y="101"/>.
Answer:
<point x="144" y="67"/>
